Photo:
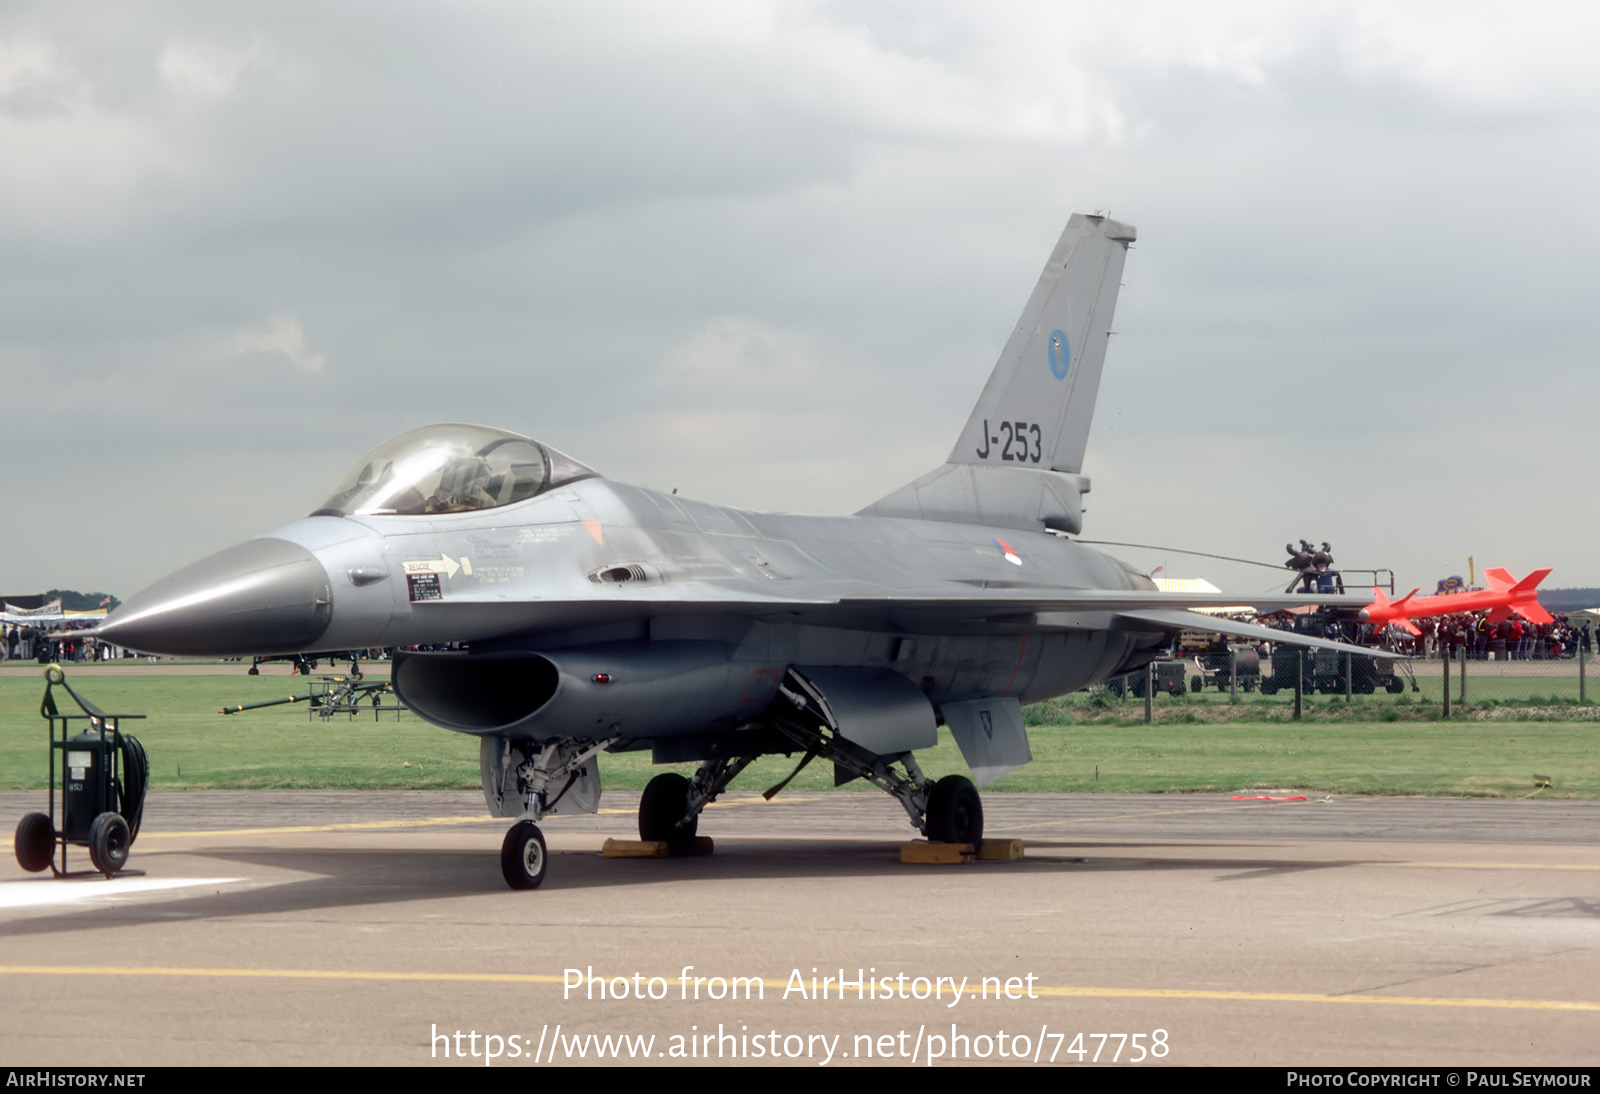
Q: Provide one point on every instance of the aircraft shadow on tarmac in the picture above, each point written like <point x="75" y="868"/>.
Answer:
<point x="355" y="877"/>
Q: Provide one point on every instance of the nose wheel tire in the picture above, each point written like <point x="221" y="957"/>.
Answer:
<point x="109" y="840"/>
<point x="35" y="843"/>
<point x="662" y="806"/>
<point x="523" y="857"/>
<point x="955" y="812"/>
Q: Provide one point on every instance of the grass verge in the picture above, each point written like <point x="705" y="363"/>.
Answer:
<point x="1079" y="745"/>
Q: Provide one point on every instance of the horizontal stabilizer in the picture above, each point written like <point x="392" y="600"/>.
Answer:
<point x="1522" y="598"/>
<point x="1531" y="582"/>
<point x="1534" y="612"/>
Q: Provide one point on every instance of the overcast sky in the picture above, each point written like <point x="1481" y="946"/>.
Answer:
<point x="767" y="254"/>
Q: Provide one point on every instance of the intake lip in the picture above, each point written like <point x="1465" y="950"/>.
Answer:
<point x="262" y="596"/>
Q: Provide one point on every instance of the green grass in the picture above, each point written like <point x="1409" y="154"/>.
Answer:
<point x="1084" y="743"/>
<point x="191" y="745"/>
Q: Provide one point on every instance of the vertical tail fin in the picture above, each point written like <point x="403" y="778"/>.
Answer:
<point x="1525" y="600"/>
<point x="1018" y="460"/>
<point x="1049" y="372"/>
<point x="1499" y="578"/>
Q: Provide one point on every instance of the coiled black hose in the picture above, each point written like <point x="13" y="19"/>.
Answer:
<point x="135" y="781"/>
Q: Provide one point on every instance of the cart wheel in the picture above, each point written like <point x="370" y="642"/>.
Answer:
<point x="108" y="843"/>
<point x="1196" y="683"/>
<point x="36" y="842"/>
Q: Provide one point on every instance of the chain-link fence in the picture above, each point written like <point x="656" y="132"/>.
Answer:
<point x="1241" y="676"/>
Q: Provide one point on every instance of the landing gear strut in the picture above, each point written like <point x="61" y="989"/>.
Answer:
<point x="540" y="781"/>
<point x="947" y="811"/>
<point x="670" y="809"/>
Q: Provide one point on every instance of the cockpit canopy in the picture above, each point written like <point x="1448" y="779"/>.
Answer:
<point x="450" y="469"/>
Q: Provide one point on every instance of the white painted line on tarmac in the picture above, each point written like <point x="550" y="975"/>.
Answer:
<point x="46" y="892"/>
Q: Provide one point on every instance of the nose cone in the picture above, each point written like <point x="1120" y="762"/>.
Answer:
<point x="261" y="596"/>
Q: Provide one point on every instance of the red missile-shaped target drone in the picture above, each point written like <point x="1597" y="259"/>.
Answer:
<point x="1504" y="597"/>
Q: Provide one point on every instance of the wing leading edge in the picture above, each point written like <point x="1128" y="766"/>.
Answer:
<point x="1181" y="620"/>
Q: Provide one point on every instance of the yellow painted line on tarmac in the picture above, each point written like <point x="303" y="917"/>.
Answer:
<point x="280" y="974"/>
<point x="423" y="822"/>
<point x="158" y="971"/>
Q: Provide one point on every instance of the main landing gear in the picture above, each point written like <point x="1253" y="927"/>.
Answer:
<point x="947" y="811"/>
<point x="954" y="813"/>
<point x="669" y="810"/>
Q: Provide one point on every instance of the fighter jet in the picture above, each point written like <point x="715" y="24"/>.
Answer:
<point x="594" y="616"/>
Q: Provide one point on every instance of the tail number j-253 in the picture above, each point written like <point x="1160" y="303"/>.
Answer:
<point x="1014" y="442"/>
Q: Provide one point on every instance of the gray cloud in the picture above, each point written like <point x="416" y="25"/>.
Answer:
<point x="767" y="253"/>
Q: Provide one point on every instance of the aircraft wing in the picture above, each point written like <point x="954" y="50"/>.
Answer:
<point x="990" y="599"/>
<point x="974" y="609"/>
<point x="1181" y="620"/>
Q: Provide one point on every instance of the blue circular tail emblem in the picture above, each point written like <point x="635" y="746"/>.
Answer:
<point x="1060" y="355"/>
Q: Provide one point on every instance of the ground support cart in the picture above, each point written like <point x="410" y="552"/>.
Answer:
<point x="98" y="801"/>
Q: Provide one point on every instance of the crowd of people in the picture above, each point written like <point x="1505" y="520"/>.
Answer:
<point x="1469" y="635"/>
<point x="1473" y="636"/>
<point x="55" y="642"/>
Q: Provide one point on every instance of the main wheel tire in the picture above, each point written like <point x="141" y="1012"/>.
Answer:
<point x="662" y="806"/>
<point x="35" y="843"/>
<point x="109" y="840"/>
<point x="955" y="812"/>
<point x="523" y="857"/>
<point x="1196" y="683"/>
